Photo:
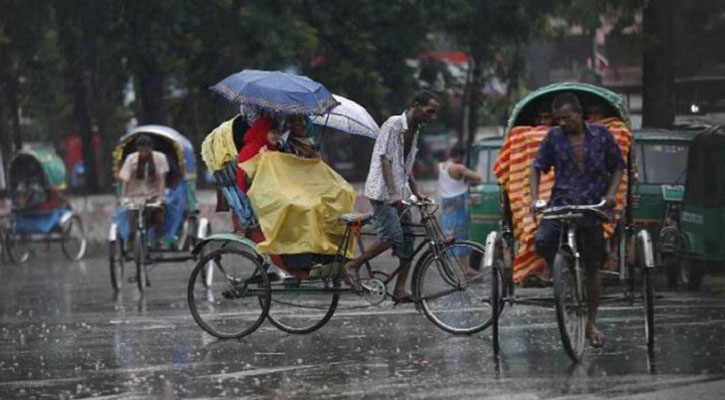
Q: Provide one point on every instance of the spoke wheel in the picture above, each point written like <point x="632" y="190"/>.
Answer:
<point x="140" y="259"/>
<point x="571" y="308"/>
<point x="303" y="307"/>
<point x="74" y="242"/>
<point x="115" y="261"/>
<point x="17" y="248"/>
<point x="454" y="297"/>
<point x="648" y="294"/>
<point x="670" y="244"/>
<point x="691" y="274"/>
<point x="238" y="299"/>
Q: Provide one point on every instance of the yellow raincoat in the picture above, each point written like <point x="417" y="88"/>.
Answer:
<point x="298" y="202"/>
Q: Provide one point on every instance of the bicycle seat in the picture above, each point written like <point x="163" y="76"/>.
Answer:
<point x="351" y="218"/>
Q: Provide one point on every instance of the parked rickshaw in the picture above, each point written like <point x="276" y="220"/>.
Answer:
<point x="40" y="212"/>
<point x="182" y="228"/>
<point x="694" y="242"/>
<point x="511" y="250"/>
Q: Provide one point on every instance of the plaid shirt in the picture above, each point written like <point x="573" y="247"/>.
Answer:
<point x="601" y="158"/>
<point x="390" y="144"/>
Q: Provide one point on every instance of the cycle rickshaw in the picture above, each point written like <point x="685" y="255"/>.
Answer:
<point x="693" y="241"/>
<point x="182" y="227"/>
<point x="249" y="285"/>
<point x="40" y="212"/>
<point x="511" y="251"/>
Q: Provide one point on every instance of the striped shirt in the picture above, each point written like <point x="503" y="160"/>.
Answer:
<point x="390" y="144"/>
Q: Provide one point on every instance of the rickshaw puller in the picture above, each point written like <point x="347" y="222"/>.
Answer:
<point x="144" y="176"/>
<point x="588" y="167"/>
<point x="390" y="181"/>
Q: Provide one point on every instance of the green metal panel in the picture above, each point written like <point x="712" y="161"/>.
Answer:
<point x="703" y="227"/>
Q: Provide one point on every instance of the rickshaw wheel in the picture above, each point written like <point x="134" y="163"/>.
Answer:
<point x="648" y="294"/>
<point x="453" y="301"/>
<point x="303" y="309"/>
<point x="571" y="308"/>
<point x="690" y="274"/>
<point x="115" y="261"/>
<point x="17" y="248"/>
<point x="140" y="259"/>
<point x="238" y="299"/>
<point x="73" y="232"/>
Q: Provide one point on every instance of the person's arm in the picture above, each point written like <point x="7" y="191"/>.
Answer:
<point x="387" y="168"/>
<point x="461" y="170"/>
<point x="615" y="164"/>
<point x="534" y="184"/>
<point x="414" y="187"/>
<point x="543" y="161"/>
<point x="613" y="186"/>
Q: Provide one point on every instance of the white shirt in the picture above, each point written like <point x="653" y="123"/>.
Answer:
<point x="140" y="189"/>
<point x="390" y="144"/>
<point x="447" y="185"/>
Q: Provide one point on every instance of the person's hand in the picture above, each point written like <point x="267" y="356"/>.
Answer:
<point x="263" y="149"/>
<point x="397" y="203"/>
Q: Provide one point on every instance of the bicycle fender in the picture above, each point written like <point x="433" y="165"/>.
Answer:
<point x="225" y="237"/>
<point x="644" y="240"/>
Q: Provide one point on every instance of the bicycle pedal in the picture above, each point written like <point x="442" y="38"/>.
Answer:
<point x="374" y="291"/>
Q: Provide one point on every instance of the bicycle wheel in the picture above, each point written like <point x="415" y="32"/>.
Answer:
<point x="301" y="307"/>
<point x="140" y="259"/>
<point x="238" y="299"/>
<point x="74" y="242"/>
<point x="571" y="309"/>
<point x="648" y="294"/>
<point x="17" y="248"/>
<point x="208" y="272"/>
<point x="115" y="261"/>
<point x="454" y="297"/>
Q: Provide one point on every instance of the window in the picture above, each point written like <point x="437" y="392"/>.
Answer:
<point x="665" y="163"/>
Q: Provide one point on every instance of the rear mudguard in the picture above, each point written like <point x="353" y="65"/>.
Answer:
<point x="225" y="237"/>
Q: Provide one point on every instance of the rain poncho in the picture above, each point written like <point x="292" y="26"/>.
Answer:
<point x="298" y="202"/>
<point x="513" y="167"/>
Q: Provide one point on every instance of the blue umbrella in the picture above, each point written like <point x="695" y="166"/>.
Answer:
<point x="276" y="91"/>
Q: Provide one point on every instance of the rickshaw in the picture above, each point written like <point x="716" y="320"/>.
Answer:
<point x="40" y="212"/>
<point x="694" y="241"/>
<point x="182" y="227"/>
<point x="250" y="286"/>
<point x="511" y="251"/>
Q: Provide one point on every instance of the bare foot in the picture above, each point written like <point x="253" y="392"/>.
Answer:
<point x="596" y="338"/>
<point x="352" y="277"/>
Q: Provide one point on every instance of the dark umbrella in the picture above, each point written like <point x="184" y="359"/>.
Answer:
<point x="276" y="91"/>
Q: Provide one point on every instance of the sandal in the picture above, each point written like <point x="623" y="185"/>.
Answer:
<point x="596" y="339"/>
<point x="352" y="279"/>
<point x="408" y="298"/>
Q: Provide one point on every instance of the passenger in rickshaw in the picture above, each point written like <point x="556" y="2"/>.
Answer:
<point x="588" y="168"/>
<point x="295" y="139"/>
<point x="143" y="177"/>
<point x="30" y="191"/>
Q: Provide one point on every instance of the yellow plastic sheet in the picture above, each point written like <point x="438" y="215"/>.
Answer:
<point x="298" y="202"/>
<point x="218" y="146"/>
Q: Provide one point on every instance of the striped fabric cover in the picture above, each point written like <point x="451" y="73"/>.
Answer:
<point x="512" y="168"/>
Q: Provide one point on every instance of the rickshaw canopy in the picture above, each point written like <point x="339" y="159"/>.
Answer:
<point x="525" y="107"/>
<point x="52" y="165"/>
<point x="183" y="150"/>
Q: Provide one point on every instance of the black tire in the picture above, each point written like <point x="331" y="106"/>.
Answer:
<point x="648" y="295"/>
<point x="671" y="243"/>
<point x="115" y="261"/>
<point x="453" y="302"/>
<point x="497" y="305"/>
<point x="140" y="260"/>
<point x="74" y="244"/>
<point x="670" y="263"/>
<point x="302" y="309"/>
<point x="238" y="300"/>
<point x="571" y="308"/>
<point x="691" y="274"/>
<point x="17" y="248"/>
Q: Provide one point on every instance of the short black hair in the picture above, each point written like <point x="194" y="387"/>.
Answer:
<point x="566" y="98"/>
<point x="422" y="97"/>
<point x="456" y="150"/>
<point x="143" y="140"/>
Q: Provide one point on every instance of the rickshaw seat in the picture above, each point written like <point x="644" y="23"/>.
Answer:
<point x="351" y="218"/>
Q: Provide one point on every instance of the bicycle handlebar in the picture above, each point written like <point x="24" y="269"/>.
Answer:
<point x="560" y="210"/>
<point x="415" y="201"/>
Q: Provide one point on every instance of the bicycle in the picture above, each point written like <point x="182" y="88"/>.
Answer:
<point x="570" y="297"/>
<point x="244" y="292"/>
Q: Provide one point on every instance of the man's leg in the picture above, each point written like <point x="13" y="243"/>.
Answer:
<point x="404" y="267"/>
<point x="593" y="247"/>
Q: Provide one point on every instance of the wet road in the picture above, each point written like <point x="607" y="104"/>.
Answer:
<point x="63" y="334"/>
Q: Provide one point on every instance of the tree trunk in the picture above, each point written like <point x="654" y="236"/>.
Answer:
<point x="658" y="97"/>
<point x="151" y="86"/>
<point x="14" y="107"/>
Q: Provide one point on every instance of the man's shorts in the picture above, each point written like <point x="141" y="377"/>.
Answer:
<point x="590" y="243"/>
<point x="389" y="229"/>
